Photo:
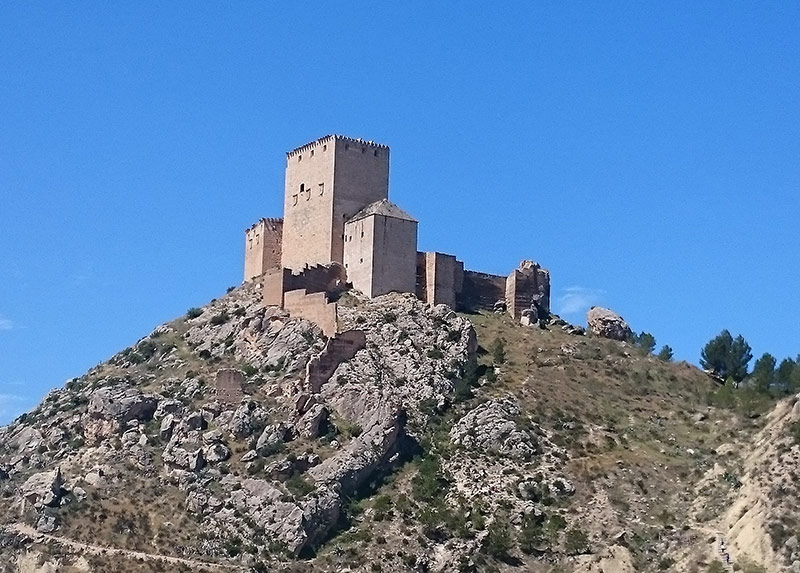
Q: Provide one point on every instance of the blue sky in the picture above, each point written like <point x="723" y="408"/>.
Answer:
<point x="646" y="153"/>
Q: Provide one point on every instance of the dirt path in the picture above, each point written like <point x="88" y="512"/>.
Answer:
<point x="101" y="550"/>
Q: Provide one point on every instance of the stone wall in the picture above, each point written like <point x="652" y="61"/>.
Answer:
<point x="380" y="254"/>
<point x="338" y="349"/>
<point x="440" y="278"/>
<point x="228" y="384"/>
<point x="528" y="287"/>
<point x="480" y="291"/>
<point x="262" y="247"/>
<point x="330" y="279"/>
<point x="313" y="307"/>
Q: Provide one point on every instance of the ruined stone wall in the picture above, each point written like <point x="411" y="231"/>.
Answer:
<point x="440" y="278"/>
<point x="330" y="279"/>
<point x="228" y="385"/>
<point x="273" y="285"/>
<point x="262" y="247"/>
<point x="481" y="291"/>
<point x="327" y="182"/>
<point x="527" y="287"/>
<point x="313" y="307"/>
<point x="338" y="349"/>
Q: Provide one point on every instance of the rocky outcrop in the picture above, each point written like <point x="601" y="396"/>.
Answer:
<point x="607" y="324"/>
<point x="491" y="428"/>
<point x="43" y="489"/>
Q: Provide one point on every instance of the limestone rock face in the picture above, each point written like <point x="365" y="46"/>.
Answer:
<point x="491" y="427"/>
<point x="607" y="324"/>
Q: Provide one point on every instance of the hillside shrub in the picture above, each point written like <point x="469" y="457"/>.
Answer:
<point x="193" y="313"/>
<point x="498" y="351"/>
<point x="498" y="540"/>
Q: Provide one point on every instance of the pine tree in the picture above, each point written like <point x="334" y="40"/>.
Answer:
<point x="665" y="353"/>
<point x="645" y="341"/>
<point x="727" y="357"/>
<point x="763" y="376"/>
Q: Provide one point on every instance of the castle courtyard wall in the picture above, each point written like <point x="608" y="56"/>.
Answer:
<point x="440" y="278"/>
<point x="481" y="291"/>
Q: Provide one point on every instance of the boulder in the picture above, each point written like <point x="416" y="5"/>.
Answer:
<point x="44" y="488"/>
<point x="312" y="423"/>
<point x="216" y="453"/>
<point x="47" y="523"/>
<point x="247" y="419"/>
<point x="122" y="404"/>
<point x="272" y="436"/>
<point x="607" y="324"/>
<point x="530" y="317"/>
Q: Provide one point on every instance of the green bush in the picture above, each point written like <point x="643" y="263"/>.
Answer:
<point x="193" y="312"/>
<point x="299" y="486"/>
<point x="727" y="357"/>
<point x="434" y="353"/>
<point x="576" y="541"/>
<point x="665" y="353"/>
<point x="498" y="540"/>
<point x="498" y="351"/>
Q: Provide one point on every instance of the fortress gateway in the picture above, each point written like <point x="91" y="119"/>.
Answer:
<point x="340" y="229"/>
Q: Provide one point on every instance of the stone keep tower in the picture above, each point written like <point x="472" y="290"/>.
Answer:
<point x="327" y="182"/>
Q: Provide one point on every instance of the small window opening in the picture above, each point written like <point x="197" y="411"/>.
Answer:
<point x="321" y="189"/>
<point x="376" y="153"/>
<point x="324" y="148"/>
<point x="363" y="150"/>
<point x="299" y="158"/>
<point x="362" y="234"/>
<point x="360" y="260"/>
<point x="312" y="153"/>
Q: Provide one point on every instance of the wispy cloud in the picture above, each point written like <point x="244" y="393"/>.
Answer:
<point x="6" y="323"/>
<point x="576" y="300"/>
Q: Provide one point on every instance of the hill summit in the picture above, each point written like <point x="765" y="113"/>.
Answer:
<point x="238" y="438"/>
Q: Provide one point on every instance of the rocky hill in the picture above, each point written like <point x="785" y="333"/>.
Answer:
<point x="446" y="443"/>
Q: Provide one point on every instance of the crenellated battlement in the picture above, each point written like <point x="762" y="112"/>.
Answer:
<point x="322" y="141"/>
<point x="268" y="222"/>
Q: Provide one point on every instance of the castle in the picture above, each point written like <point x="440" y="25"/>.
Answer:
<point x="339" y="229"/>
